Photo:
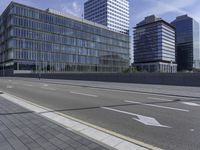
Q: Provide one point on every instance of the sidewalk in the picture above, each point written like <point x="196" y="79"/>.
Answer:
<point x="21" y="129"/>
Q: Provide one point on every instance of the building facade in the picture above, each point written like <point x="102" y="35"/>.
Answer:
<point x="154" y="45"/>
<point x="187" y="43"/>
<point x="112" y="13"/>
<point x="34" y="40"/>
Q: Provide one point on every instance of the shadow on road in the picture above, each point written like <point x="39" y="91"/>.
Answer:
<point x="98" y="107"/>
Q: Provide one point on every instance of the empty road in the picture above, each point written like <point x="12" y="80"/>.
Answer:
<point x="167" y="117"/>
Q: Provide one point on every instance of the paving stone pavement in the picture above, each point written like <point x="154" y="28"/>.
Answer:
<point x="21" y="129"/>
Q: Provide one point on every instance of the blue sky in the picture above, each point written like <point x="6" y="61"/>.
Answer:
<point x="166" y="9"/>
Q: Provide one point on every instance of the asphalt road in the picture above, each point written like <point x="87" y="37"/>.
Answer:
<point x="169" y="120"/>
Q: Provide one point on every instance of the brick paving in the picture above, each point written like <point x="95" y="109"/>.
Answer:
<point x="21" y="129"/>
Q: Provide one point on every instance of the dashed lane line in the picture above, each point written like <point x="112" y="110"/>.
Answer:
<point x="160" y="99"/>
<point x="191" y="104"/>
<point x="9" y="86"/>
<point x="30" y="85"/>
<point x="48" y="88"/>
<point x="158" y="106"/>
<point x="84" y="94"/>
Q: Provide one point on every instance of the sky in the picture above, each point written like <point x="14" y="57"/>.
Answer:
<point x="166" y="9"/>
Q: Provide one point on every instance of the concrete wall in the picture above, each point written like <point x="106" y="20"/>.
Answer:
<point x="180" y="79"/>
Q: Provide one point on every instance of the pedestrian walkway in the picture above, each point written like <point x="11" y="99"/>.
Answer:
<point x="21" y="129"/>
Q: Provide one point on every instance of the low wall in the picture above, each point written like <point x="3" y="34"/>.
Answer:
<point x="179" y="79"/>
<point x="6" y="72"/>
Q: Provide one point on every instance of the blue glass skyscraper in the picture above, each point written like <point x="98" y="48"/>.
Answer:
<point x="187" y="43"/>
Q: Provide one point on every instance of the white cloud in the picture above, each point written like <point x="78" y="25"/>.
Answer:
<point x="195" y="13"/>
<point x="165" y="6"/>
<point x="74" y="8"/>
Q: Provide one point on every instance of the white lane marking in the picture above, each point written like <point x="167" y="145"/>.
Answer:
<point x="158" y="106"/>
<point x="160" y="99"/>
<point x="190" y="103"/>
<point x="179" y="97"/>
<point x="87" y="130"/>
<point x="84" y="94"/>
<point x="140" y="118"/>
<point x="192" y="130"/>
<point x="46" y="88"/>
<point x="30" y="85"/>
<point x="10" y="80"/>
<point x="45" y="85"/>
<point x="9" y="86"/>
<point x="141" y="93"/>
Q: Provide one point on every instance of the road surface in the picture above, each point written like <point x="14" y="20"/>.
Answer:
<point x="167" y="117"/>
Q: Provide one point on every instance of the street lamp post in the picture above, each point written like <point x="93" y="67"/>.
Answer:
<point x="36" y="66"/>
<point x="3" y="64"/>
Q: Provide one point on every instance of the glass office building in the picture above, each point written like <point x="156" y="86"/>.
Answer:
<point x="34" y="40"/>
<point x="111" y="13"/>
<point x="154" y="45"/>
<point x="187" y="43"/>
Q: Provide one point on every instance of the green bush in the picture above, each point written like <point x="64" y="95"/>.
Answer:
<point x="130" y="70"/>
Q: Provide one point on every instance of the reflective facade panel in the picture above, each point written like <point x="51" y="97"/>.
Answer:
<point x="111" y="13"/>
<point x="34" y="40"/>
<point x="187" y="43"/>
<point x="154" y="45"/>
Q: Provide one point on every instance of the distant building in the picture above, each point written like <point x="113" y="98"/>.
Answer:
<point x="154" y="45"/>
<point x="34" y="40"/>
<point x="187" y="43"/>
<point x="112" y="13"/>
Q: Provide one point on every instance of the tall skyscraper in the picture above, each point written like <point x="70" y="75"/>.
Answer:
<point x="187" y="43"/>
<point x="154" y="45"/>
<point x="112" y="13"/>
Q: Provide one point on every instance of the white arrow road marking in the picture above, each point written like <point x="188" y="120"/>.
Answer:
<point x="149" y="121"/>
<point x="142" y="119"/>
<point x="9" y="87"/>
<point x="158" y="106"/>
<point x="190" y="103"/>
<point x="83" y="94"/>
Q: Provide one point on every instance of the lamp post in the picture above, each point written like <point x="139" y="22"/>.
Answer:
<point x="36" y="62"/>
<point x="3" y="64"/>
<point x="37" y="70"/>
<point x="36" y="65"/>
<point x="171" y="67"/>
